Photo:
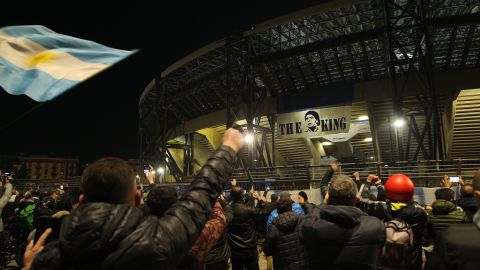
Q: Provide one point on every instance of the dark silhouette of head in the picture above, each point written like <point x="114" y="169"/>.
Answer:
<point x="109" y="180"/>
<point x="342" y="191"/>
<point x="160" y="199"/>
<point x="467" y="191"/>
<point x="445" y="194"/>
<point x="237" y="194"/>
<point x="284" y="205"/>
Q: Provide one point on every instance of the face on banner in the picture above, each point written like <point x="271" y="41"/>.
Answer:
<point x="314" y="122"/>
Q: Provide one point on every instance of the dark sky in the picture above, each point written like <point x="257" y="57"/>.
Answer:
<point x="100" y="117"/>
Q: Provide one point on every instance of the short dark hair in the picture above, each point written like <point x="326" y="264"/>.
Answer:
<point x="314" y="113"/>
<point x="467" y="191"/>
<point x="237" y="194"/>
<point x="304" y="195"/>
<point x="274" y="197"/>
<point x="444" y="194"/>
<point x="160" y="198"/>
<point x="108" y="180"/>
<point x="342" y="191"/>
<point x="284" y="205"/>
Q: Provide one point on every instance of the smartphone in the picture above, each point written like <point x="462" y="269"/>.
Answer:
<point x="454" y="179"/>
<point x="146" y="169"/>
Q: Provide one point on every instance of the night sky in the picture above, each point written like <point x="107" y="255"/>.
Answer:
<point x="100" y="117"/>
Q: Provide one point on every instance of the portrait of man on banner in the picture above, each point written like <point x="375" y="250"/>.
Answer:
<point x="312" y="119"/>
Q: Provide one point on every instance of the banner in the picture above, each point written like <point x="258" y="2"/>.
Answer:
<point x="356" y="127"/>
<point x="314" y="122"/>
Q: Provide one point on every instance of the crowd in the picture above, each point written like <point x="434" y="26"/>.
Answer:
<point x="110" y="224"/>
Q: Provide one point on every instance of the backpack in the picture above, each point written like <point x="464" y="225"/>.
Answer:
<point x="399" y="245"/>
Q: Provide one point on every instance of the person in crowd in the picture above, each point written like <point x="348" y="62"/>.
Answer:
<point x="399" y="204"/>
<point x="241" y="231"/>
<point x="7" y="193"/>
<point x="295" y="207"/>
<point x="467" y="201"/>
<point x="302" y="199"/>
<point x="459" y="245"/>
<point x="217" y="258"/>
<point x="283" y="240"/>
<point x="444" y="212"/>
<point x="338" y="235"/>
<point x="260" y="222"/>
<point x="106" y="231"/>
<point x="161" y="198"/>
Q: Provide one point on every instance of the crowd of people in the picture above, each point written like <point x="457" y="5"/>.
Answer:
<point x="109" y="224"/>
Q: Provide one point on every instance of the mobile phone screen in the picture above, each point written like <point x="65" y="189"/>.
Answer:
<point x="146" y="169"/>
<point x="454" y="179"/>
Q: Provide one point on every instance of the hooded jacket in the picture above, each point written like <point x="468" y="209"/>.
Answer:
<point x="469" y="206"/>
<point x="108" y="236"/>
<point x="342" y="237"/>
<point x="458" y="247"/>
<point x="444" y="213"/>
<point x="283" y="243"/>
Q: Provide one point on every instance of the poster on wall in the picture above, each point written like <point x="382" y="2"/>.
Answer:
<point x="314" y="122"/>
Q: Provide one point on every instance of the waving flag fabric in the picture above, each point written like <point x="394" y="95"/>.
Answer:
<point x="43" y="64"/>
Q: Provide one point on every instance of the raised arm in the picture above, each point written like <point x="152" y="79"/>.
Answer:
<point x="6" y="195"/>
<point x="186" y="219"/>
<point x="326" y="178"/>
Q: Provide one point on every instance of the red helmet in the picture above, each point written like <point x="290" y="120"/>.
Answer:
<point x="399" y="188"/>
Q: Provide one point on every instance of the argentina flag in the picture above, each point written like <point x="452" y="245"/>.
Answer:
<point x="43" y="64"/>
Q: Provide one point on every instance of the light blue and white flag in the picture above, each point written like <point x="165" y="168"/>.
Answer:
<point x="42" y="64"/>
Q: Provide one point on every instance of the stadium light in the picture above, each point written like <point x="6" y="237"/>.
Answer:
<point x="160" y="170"/>
<point x="249" y="138"/>
<point x="327" y="143"/>
<point x="369" y="139"/>
<point x="399" y="123"/>
<point x="363" y="117"/>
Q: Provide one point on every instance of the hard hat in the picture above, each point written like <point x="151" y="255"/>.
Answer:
<point x="399" y="188"/>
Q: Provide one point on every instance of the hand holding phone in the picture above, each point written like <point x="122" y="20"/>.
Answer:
<point x="454" y="179"/>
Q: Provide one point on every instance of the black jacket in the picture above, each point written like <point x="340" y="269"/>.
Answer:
<point x="241" y="231"/>
<point x="283" y="243"/>
<point x="106" y="236"/>
<point x="220" y="252"/>
<point x="458" y="247"/>
<point x="342" y="237"/>
<point x="412" y="213"/>
<point x="469" y="206"/>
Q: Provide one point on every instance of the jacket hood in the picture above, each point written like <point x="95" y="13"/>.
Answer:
<point x="287" y="222"/>
<point x="344" y="216"/>
<point x="96" y="229"/>
<point x="443" y="207"/>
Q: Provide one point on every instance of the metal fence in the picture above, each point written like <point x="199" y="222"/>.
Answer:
<point x="46" y="184"/>
<point x="423" y="173"/>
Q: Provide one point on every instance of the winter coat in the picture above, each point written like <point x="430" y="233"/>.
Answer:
<point x="283" y="243"/>
<point x="108" y="236"/>
<point x="296" y="207"/>
<point x="411" y="213"/>
<point x="342" y="237"/>
<point x="458" y="247"/>
<point x="211" y="233"/>
<point x="469" y="206"/>
<point x="220" y="252"/>
<point x="241" y="231"/>
<point x="444" y="213"/>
